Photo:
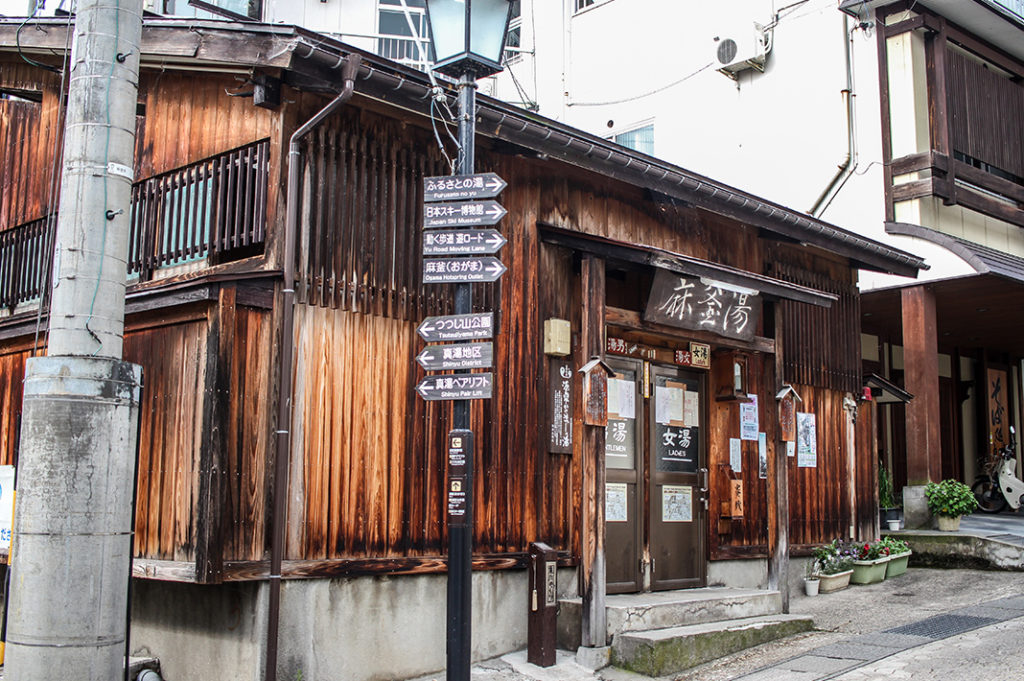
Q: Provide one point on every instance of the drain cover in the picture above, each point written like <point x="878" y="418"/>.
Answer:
<point x="942" y="626"/>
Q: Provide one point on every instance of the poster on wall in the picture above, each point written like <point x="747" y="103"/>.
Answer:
<point x="677" y="503"/>
<point x="748" y="419"/>
<point x="616" y="508"/>
<point x="806" y="440"/>
<point x="736" y="454"/>
<point x="762" y="456"/>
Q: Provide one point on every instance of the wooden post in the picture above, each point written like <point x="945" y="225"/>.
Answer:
<point x="592" y="568"/>
<point x="778" y="486"/>
<point x="921" y="372"/>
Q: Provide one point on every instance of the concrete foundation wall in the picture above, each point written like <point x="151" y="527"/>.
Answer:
<point x="358" y="629"/>
<point x="739" y="574"/>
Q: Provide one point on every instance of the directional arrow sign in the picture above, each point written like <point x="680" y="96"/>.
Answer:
<point x="462" y="187"/>
<point x="462" y="242"/>
<point x="462" y="270"/>
<point x="462" y="214"/>
<point x="457" y="327"/>
<point x="456" y="387"/>
<point x="457" y="356"/>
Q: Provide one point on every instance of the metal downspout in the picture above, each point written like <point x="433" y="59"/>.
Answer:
<point x="283" y="434"/>
<point x="849" y="164"/>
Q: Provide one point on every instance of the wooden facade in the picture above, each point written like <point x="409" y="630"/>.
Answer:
<point x="366" y="487"/>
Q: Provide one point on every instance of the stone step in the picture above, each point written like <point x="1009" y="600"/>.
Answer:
<point x="667" y="651"/>
<point x="661" y="609"/>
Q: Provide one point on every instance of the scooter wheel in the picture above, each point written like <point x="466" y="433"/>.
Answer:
<point x="990" y="498"/>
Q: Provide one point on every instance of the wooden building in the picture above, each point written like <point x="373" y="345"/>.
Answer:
<point x="705" y="302"/>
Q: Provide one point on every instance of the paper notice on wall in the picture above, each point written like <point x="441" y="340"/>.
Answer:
<point x="691" y="408"/>
<point x="616" y="507"/>
<point x="6" y="505"/>
<point x="621" y="398"/>
<point x="748" y="419"/>
<point x="762" y="456"/>
<point x="736" y="454"/>
<point x="791" y="449"/>
<point x="677" y="503"/>
<point x="806" y="440"/>
<point x="668" y="405"/>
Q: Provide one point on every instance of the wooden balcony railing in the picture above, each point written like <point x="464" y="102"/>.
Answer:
<point x="214" y="209"/>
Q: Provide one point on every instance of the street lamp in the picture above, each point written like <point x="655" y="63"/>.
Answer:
<point x="468" y="37"/>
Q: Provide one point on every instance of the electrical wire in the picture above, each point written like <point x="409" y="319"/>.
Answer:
<point x="646" y="94"/>
<point x="17" y="39"/>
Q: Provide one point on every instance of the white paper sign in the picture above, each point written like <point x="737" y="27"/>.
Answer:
<point x="762" y="456"/>
<point x="668" y="405"/>
<point x="806" y="440"/>
<point x="677" y="503"/>
<point x="736" y="454"/>
<point x="691" y="408"/>
<point x="621" y="398"/>
<point x="6" y="505"/>
<point x="748" y="419"/>
<point x="616" y="508"/>
<point x="790" y="448"/>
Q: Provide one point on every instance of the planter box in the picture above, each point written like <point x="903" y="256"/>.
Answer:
<point x="868" y="571"/>
<point x="949" y="523"/>
<point x="830" y="583"/>
<point x="897" y="564"/>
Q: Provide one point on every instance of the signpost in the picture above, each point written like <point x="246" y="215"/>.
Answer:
<point x="457" y="356"/>
<point x="463" y="214"/>
<point x="457" y="327"/>
<point x="462" y="270"/>
<point x="456" y="387"/>
<point x="462" y="242"/>
<point x="462" y="187"/>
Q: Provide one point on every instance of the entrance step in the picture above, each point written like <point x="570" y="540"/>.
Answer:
<point x="668" y="651"/>
<point x="664" y="609"/>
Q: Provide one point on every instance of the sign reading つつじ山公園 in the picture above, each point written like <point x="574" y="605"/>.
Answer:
<point x="704" y="305"/>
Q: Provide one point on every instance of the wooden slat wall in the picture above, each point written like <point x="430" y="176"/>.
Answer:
<point x="29" y="137"/>
<point x="987" y="113"/>
<point x="12" y="373"/>
<point x="819" y="497"/>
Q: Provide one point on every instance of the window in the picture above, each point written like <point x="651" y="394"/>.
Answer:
<point x="586" y="4"/>
<point x="514" y="39"/>
<point x="638" y="139"/>
<point x="210" y="9"/>
<point x="396" y="40"/>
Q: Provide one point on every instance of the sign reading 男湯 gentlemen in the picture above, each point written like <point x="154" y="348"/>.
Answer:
<point x="690" y="303"/>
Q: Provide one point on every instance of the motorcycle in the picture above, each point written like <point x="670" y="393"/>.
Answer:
<point x="999" y="486"/>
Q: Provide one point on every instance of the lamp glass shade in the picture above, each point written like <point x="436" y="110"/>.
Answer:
<point x="468" y="35"/>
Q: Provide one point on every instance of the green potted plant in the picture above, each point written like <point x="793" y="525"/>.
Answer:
<point x="811" y="581"/>
<point x="869" y="563"/>
<point x="835" y="565"/>
<point x="948" y="500"/>
<point x="890" y="514"/>
<point x="899" y="556"/>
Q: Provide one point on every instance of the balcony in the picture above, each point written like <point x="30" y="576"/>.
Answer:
<point x="210" y="212"/>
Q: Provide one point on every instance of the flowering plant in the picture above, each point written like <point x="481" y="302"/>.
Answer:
<point x="895" y="546"/>
<point x="950" y="498"/>
<point x="833" y="558"/>
<point x="872" y="550"/>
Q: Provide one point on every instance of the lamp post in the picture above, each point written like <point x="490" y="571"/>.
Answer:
<point x="468" y="37"/>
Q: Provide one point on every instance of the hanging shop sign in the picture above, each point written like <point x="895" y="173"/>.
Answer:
<point x="703" y="304"/>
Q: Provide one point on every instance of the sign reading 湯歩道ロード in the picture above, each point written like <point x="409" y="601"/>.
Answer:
<point x="462" y="270"/>
<point x="456" y="356"/>
<point x="456" y="387"/>
<point x="457" y="327"/>
<point x="462" y="241"/>
<point x="462" y="214"/>
<point x="462" y="187"/>
<point x="690" y="303"/>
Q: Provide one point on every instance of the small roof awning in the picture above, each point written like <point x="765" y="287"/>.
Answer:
<point x="683" y="264"/>
<point x="883" y="391"/>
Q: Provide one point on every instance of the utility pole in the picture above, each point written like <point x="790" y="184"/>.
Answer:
<point x="72" y="529"/>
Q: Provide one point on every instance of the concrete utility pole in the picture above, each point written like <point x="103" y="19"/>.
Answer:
<point x="72" y="523"/>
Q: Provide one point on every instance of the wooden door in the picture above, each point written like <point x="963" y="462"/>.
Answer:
<point x="624" y="460"/>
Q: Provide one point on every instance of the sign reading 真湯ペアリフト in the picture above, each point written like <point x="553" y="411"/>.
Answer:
<point x="703" y="304"/>
<point x="456" y="387"/>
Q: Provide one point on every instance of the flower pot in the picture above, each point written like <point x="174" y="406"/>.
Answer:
<point x="894" y="525"/>
<point x="830" y="583"/>
<point x="897" y="564"/>
<point x="868" y="571"/>
<point x="949" y="523"/>
<point x="811" y="586"/>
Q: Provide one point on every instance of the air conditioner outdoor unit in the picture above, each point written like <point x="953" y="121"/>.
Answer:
<point x="742" y="49"/>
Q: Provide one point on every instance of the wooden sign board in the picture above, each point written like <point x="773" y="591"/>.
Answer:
<point x="595" y="392"/>
<point x="787" y="418"/>
<point x="736" y="498"/>
<point x="689" y="303"/>
<point x="560" y="406"/>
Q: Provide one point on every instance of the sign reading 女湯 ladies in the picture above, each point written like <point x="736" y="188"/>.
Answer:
<point x="701" y="304"/>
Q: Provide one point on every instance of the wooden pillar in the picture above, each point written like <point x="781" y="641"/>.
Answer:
<point x="778" y="485"/>
<point x="592" y="568"/>
<point x="921" y="378"/>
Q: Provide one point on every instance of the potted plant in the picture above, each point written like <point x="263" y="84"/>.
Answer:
<point x="899" y="556"/>
<point x="835" y="565"/>
<point x="948" y="500"/>
<point x="811" y="581"/>
<point x="890" y="514"/>
<point x="869" y="563"/>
